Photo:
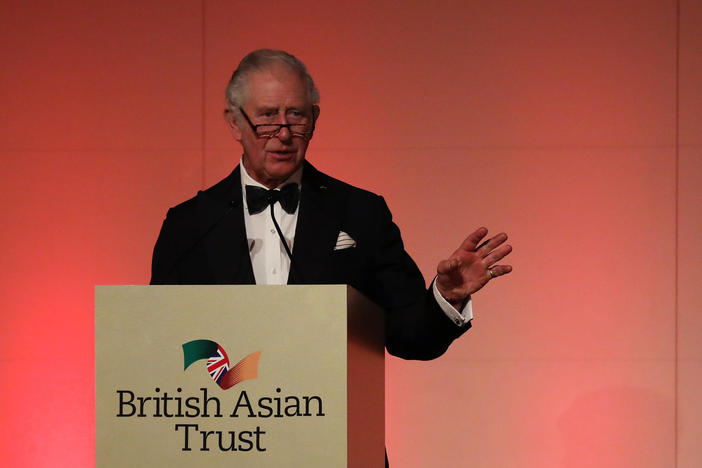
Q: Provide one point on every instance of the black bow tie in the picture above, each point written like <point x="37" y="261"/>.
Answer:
<point x="258" y="198"/>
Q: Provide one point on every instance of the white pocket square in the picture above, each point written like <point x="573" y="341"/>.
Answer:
<point x="344" y="241"/>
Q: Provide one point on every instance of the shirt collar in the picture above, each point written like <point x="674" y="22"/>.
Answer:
<point x="246" y="179"/>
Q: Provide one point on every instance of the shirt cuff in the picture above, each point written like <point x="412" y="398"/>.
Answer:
<point x="459" y="318"/>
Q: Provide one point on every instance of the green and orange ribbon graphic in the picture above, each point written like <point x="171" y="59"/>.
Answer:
<point x="218" y="362"/>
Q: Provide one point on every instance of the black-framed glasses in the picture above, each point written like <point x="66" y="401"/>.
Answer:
<point x="271" y="130"/>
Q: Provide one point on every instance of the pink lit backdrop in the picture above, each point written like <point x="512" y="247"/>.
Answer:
<point x="573" y="126"/>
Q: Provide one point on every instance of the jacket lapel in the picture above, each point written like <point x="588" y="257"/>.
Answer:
<point x="317" y="229"/>
<point x="227" y="248"/>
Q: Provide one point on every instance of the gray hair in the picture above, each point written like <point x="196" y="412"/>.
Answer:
<point x="237" y="89"/>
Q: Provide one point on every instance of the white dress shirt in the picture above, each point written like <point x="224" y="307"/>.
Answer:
<point x="270" y="262"/>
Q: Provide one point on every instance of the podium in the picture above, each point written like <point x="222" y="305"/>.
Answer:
<point x="245" y="376"/>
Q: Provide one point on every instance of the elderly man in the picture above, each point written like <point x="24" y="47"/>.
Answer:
<point x="277" y="220"/>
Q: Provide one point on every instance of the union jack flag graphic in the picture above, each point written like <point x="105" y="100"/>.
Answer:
<point x="218" y="364"/>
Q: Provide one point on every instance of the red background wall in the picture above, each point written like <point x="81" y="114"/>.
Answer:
<point x="574" y="126"/>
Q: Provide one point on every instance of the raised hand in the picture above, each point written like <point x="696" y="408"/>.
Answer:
<point x="471" y="266"/>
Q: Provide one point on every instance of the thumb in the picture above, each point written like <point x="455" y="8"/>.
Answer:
<point x="448" y="266"/>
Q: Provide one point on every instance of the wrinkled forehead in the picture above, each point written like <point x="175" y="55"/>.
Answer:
<point x="274" y="86"/>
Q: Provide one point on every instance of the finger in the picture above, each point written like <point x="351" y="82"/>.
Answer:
<point x="498" y="270"/>
<point x="497" y="254"/>
<point x="473" y="239"/>
<point x="491" y="244"/>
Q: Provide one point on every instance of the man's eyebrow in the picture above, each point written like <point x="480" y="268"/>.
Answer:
<point x="275" y="109"/>
<point x="267" y="109"/>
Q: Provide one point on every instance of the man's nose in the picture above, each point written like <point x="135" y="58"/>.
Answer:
<point x="284" y="132"/>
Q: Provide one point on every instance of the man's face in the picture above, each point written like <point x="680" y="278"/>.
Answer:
<point x="274" y="96"/>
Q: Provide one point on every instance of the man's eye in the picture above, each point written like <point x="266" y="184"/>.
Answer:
<point x="296" y="115"/>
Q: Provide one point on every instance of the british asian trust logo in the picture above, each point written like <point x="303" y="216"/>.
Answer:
<point x="218" y="363"/>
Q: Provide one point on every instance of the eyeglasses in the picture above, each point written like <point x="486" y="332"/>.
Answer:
<point x="303" y="130"/>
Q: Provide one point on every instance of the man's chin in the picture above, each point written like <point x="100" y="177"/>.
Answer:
<point x="280" y="171"/>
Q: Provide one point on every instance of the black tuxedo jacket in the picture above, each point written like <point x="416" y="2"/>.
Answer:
<point x="203" y="241"/>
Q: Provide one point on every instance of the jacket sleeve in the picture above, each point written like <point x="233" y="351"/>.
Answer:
<point x="416" y="327"/>
<point x="166" y="254"/>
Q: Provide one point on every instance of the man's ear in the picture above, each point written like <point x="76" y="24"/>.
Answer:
<point x="315" y="112"/>
<point x="231" y="124"/>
